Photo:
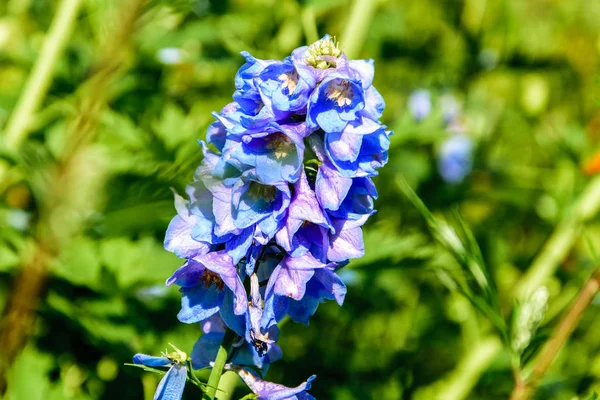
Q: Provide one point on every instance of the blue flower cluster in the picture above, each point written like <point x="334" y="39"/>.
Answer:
<point x="278" y="203"/>
<point x="455" y="156"/>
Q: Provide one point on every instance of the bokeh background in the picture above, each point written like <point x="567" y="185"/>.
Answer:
<point x="86" y="187"/>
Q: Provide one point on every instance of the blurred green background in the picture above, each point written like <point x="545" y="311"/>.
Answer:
<point x="86" y="188"/>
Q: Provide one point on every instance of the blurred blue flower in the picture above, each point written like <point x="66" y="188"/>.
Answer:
<point x="450" y="108"/>
<point x="419" y="104"/>
<point x="172" y="384"/>
<point x="455" y="158"/>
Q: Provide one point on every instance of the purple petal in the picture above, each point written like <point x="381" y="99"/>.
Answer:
<point x="331" y="187"/>
<point x="364" y="71"/>
<point x="346" y="243"/>
<point x="221" y="263"/>
<point x="344" y="146"/>
<point x="272" y="391"/>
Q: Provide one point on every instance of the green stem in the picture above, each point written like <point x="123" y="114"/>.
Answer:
<point x="524" y="389"/>
<point x="471" y="367"/>
<point x="39" y="80"/>
<point x="561" y="241"/>
<point x="217" y="371"/>
<point x="309" y="24"/>
<point x="361" y="15"/>
<point x="41" y="75"/>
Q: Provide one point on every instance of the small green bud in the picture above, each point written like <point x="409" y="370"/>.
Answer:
<point x="325" y="47"/>
<point x="177" y="356"/>
<point x="528" y="318"/>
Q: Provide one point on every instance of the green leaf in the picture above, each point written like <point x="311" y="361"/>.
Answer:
<point x="467" y="254"/>
<point x="79" y="262"/>
<point x="141" y="261"/>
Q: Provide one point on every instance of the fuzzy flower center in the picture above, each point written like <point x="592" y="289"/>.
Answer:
<point x="340" y="91"/>
<point x="290" y="81"/>
<point x="280" y="144"/>
<point x="322" y="53"/>
<point x="211" y="278"/>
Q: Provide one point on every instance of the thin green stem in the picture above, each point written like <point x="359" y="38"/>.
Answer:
<point x="357" y="26"/>
<point x="217" y="371"/>
<point x="309" y="24"/>
<point x="41" y="75"/>
<point x="561" y="241"/>
<point x="524" y="389"/>
<point x="37" y="85"/>
<point x="467" y="373"/>
<point x="193" y="376"/>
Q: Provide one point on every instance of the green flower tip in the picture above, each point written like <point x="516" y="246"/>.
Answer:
<point x="322" y="53"/>
<point x="177" y="356"/>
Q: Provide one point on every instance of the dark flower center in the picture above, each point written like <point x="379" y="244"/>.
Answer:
<point x="211" y="278"/>
<point x="260" y="346"/>
<point x="258" y="191"/>
<point x="280" y="144"/>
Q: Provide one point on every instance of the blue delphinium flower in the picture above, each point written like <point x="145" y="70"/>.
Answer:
<point x="278" y="204"/>
<point x="284" y="89"/>
<point x="297" y="286"/>
<point x="360" y="149"/>
<point x="450" y="108"/>
<point x="306" y="226"/>
<point x="244" y="353"/>
<point x="274" y="153"/>
<point x="419" y="104"/>
<point x="455" y="158"/>
<point x="206" y="282"/>
<point x="172" y="384"/>
<point x="336" y="102"/>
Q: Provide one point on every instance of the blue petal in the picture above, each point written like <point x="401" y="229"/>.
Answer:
<point x="172" y="384"/>
<point x="198" y="303"/>
<point x="205" y="349"/>
<point x="301" y="311"/>
<point x="236" y="323"/>
<point x="151" y="361"/>
<point x="237" y="247"/>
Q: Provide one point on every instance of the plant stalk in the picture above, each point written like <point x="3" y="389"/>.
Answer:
<point x="217" y="371"/>
<point x="41" y="75"/>
<point x="357" y="26"/>
<point x="525" y="388"/>
<point x="559" y="244"/>
<point x="39" y="80"/>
